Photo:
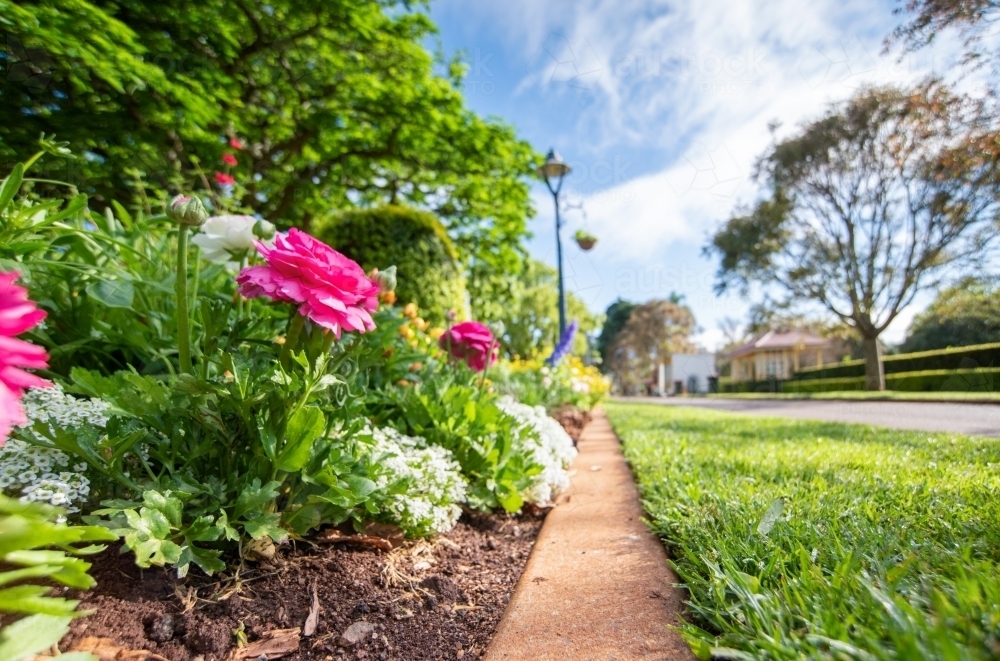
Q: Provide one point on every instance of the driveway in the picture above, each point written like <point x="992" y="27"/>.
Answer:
<point x="959" y="418"/>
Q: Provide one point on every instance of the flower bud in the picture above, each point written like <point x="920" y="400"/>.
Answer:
<point x="188" y="211"/>
<point x="262" y="229"/>
<point x="386" y="279"/>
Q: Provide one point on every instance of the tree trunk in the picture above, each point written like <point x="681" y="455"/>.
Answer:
<point x="874" y="372"/>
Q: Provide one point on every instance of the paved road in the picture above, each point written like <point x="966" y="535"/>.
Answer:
<point x="973" y="419"/>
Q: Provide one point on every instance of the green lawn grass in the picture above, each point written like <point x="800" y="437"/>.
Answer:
<point x="817" y="540"/>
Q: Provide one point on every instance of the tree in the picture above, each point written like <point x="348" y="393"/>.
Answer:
<point x="653" y="332"/>
<point x="531" y="321"/>
<point x="972" y="18"/>
<point x="966" y="314"/>
<point x="615" y="318"/>
<point x="868" y="205"/>
<point x="336" y="104"/>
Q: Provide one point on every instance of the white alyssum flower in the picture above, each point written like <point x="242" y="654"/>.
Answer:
<point x="436" y="485"/>
<point x="549" y="445"/>
<point x="224" y="237"/>
<point x="35" y="473"/>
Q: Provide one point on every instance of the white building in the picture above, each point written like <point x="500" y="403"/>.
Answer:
<point x="688" y="373"/>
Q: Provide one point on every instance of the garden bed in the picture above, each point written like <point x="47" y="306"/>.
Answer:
<point x="440" y="598"/>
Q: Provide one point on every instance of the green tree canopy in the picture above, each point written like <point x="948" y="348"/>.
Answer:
<point x="531" y="322"/>
<point x="654" y="330"/>
<point x="966" y="314"/>
<point x="427" y="268"/>
<point x="336" y="103"/>
<point x="865" y="206"/>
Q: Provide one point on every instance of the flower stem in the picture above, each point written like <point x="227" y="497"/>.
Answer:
<point x="183" y="331"/>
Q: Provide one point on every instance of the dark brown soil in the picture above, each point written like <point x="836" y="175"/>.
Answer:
<point x="572" y="419"/>
<point x="436" y="599"/>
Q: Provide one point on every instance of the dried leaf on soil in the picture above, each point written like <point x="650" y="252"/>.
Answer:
<point x="276" y="644"/>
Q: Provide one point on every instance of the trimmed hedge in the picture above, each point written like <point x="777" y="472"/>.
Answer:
<point x="979" y="355"/>
<point x="427" y="266"/>
<point x="986" y="379"/>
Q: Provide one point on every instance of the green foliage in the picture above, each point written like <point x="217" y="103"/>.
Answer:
<point x="963" y="315"/>
<point x="884" y="545"/>
<point x="336" y="102"/>
<point x="970" y="357"/>
<point x="28" y="533"/>
<point x="449" y="410"/>
<point x="247" y="454"/>
<point x="536" y="383"/>
<point x="427" y="267"/>
<point x="531" y="320"/>
<point x="615" y="318"/>
<point x="106" y="280"/>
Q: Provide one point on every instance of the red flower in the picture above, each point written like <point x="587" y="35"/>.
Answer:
<point x="472" y="342"/>
<point x="17" y="314"/>
<point x="229" y="159"/>
<point x="224" y="179"/>
<point x="332" y="290"/>
<point x="236" y="143"/>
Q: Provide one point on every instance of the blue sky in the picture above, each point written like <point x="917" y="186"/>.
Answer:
<point x="661" y="108"/>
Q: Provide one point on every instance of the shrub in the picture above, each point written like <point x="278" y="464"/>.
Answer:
<point x="428" y="269"/>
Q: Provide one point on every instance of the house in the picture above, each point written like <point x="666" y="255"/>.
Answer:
<point x="686" y="373"/>
<point x="777" y="355"/>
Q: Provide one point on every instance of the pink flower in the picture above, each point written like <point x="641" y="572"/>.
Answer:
<point x="236" y="143"/>
<point x="224" y="179"/>
<point x="17" y="314"/>
<point x="229" y="159"/>
<point x="331" y="289"/>
<point x="472" y="342"/>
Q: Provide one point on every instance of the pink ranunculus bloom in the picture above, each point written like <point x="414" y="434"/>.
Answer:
<point x="472" y="342"/>
<point x="224" y="179"/>
<point x="17" y="314"/>
<point x="331" y="290"/>
<point x="235" y="143"/>
<point x="229" y="159"/>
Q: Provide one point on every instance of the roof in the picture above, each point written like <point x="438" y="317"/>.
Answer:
<point x="776" y="341"/>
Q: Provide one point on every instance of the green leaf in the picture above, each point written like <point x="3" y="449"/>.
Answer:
<point x="11" y="185"/>
<point x="254" y="497"/>
<point x="114" y="294"/>
<point x="31" y="635"/>
<point x="510" y="499"/>
<point x="265" y="524"/>
<point x="361" y="487"/>
<point x="302" y="519"/>
<point x="304" y="427"/>
<point x="32" y="599"/>
<point x="170" y="507"/>
<point x="771" y="516"/>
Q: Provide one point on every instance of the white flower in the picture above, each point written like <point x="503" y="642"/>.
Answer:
<point x="36" y="473"/>
<point x="436" y="484"/>
<point x="548" y="444"/>
<point x="223" y="237"/>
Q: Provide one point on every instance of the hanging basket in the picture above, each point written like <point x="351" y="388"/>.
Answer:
<point x="585" y="240"/>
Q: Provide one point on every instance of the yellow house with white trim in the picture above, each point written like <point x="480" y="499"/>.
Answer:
<point x="776" y="355"/>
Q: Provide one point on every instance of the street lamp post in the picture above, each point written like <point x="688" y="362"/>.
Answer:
<point x="555" y="169"/>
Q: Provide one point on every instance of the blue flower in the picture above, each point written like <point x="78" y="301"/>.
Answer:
<point x="564" y="345"/>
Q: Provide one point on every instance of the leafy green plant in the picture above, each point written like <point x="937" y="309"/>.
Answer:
<point x="34" y="546"/>
<point x="451" y="412"/>
<point x="818" y="540"/>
